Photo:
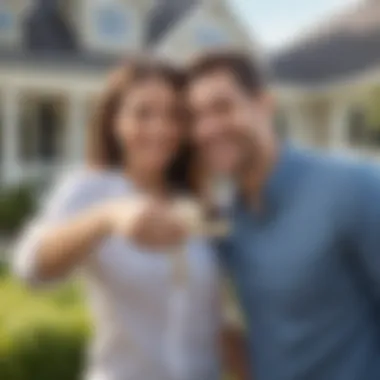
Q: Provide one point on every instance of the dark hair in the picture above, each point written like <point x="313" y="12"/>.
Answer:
<point x="103" y="150"/>
<point x="245" y="69"/>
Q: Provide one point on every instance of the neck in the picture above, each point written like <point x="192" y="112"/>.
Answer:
<point x="152" y="183"/>
<point x="258" y="171"/>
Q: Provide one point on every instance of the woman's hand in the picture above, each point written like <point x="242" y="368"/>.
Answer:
<point x="152" y="223"/>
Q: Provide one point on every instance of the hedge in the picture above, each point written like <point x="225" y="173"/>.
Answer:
<point x="42" y="336"/>
<point x="17" y="204"/>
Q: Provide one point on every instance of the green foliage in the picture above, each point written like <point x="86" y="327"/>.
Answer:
<point x="42" y="335"/>
<point x="373" y="109"/>
<point x="16" y="205"/>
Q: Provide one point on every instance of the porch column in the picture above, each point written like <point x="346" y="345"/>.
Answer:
<point x="297" y="123"/>
<point x="10" y="135"/>
<point x="76" y="128"/>
<point x="338" y="128"/>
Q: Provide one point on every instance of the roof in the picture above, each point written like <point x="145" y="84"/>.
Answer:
<point x="346" y="45"/>
<point x="46" y="29"/>
<point x="164" y="16"/>
<point x="50" y="40"/>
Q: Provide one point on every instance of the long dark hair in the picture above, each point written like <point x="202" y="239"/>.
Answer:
<point x="104" y="151"/>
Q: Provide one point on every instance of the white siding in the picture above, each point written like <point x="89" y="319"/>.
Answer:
<point x="208" y="26"/>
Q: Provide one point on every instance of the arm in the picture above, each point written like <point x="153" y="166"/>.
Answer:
<point x="63" y="234"/>
<point x="76" y="220"/>
<point x="50" y="251"/>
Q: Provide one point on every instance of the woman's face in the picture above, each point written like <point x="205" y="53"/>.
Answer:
<point x="148" y="125"/>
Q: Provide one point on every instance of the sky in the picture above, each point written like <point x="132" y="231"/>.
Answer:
<point x="276" y="22"/>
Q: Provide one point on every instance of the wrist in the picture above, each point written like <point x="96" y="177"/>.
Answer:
<point x="103" y="219"/>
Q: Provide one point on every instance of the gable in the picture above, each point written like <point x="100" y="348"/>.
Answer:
<point x="111" y="26"/>
<point x="210" y="25"/>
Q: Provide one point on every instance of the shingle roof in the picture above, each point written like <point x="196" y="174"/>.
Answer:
<point x="50" y="40"/>
<point x="347" y="45"/>
<point x="45" y="29"/>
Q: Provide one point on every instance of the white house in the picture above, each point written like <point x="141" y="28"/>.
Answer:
<point x="54" y="56"/>
<point x="325" y="80"/>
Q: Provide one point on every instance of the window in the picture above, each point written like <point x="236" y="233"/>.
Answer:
<point x="357" y="127"/>
<point x="7" y="22"/>
<point x="112" y="24"/>
<point x="211" y="35"/>
<point x="41" y="131"/>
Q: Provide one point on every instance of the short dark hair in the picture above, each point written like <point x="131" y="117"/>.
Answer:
<point x="244" y="67"/>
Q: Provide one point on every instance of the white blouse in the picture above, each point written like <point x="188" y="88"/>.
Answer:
<point x="145" y="328"/>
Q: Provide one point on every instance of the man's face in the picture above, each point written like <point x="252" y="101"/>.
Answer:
<point x="229" y="122"/>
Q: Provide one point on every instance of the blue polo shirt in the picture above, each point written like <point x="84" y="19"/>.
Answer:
<point x="307" y="270"/>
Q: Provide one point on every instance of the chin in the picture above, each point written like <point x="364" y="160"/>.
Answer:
<point x="227" y="169"/>
<point x="221" y="171"/>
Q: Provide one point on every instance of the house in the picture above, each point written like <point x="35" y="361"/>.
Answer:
<point x="54" y="56"/>
<point x="328" y="82"/>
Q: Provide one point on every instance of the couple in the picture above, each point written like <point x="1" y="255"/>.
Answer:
<point x="303" y="250"/>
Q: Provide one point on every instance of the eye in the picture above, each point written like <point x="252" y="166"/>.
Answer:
<point x="222" y="106"/>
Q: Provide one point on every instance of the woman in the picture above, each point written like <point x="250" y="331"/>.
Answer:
<point x="155" y="311"/>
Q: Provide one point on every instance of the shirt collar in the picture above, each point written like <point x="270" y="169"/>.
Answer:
<point x="281" y="182"/>
<point x="283" y="176"/>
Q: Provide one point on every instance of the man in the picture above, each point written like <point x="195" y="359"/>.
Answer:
<point x="304" y="251"/>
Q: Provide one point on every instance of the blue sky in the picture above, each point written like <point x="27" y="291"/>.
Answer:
<point x="275" y="22"/>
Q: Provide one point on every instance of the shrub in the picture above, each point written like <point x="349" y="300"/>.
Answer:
<point x="42" y="336"/>
<point x="16" y="205"/>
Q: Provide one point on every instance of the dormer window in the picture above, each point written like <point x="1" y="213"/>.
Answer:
<point x="8" y="23"/>
<point x="112" y="24"/>
<point x="210" y="34"/>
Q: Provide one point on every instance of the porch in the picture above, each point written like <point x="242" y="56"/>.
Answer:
<point x="43" y="122"/>
<point x="341" y="117"/>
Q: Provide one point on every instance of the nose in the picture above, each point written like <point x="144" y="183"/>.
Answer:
<point x="158" y="124"/>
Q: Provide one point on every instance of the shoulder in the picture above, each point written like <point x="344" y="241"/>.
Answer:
<point x="338" y="170"/>
<point x="343" y="179"/>
<point x="366" y="182"/>
<point x="354" y="182"/>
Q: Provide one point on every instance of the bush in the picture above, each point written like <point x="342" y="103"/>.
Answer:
<point x="16" y="205"/>
<point x="42" y="336"/>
